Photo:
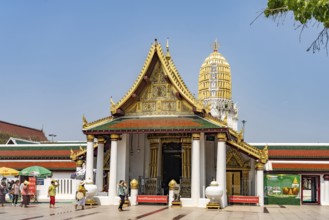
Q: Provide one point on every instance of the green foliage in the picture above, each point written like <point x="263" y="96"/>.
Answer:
<point x="304" y="11"/>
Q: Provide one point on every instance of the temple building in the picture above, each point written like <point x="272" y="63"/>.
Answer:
<point x="160" y="132"/>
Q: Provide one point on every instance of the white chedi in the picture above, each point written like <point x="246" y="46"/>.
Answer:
<point x="214" y="192"/>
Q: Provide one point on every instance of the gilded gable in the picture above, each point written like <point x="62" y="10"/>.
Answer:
<point x="159" y="97"/>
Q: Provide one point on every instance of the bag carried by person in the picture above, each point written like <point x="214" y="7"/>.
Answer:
<point x="79" y="195"/>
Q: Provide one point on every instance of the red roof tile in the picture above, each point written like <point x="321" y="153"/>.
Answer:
<point x="35" y="153"/>
<point x="298" y="153"/>
<point x="300" y="167"/>
<point x="22" y="131"/>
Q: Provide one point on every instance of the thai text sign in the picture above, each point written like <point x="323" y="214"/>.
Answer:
<point x="152" y="199"/>
<point x="243" y="199"/>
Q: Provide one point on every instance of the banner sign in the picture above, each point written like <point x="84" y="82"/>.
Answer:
<point x="152" y="199"/>
<point x="40" y="181"/>
<point x="282" y="189"/>
<point x="32" y="185"/>
<point x="244" y="199"/>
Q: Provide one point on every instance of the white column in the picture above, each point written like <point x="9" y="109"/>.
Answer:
<point x="221" y="166"/>
<point x="260" y="183"/>
<point x="100" y="164"/>
<point x="326" y="189"/>
<point x="203" y="184"/>
<point x="90" y="158"/>
<point x="113" y="168"/>
<point x="195" y="176"/>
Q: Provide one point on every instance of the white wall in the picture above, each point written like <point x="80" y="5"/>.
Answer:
<point x="65" y="191"/>
<point x="137" y="158"/>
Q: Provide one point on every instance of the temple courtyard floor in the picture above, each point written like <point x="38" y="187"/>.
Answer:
<point x="148" y="212"/>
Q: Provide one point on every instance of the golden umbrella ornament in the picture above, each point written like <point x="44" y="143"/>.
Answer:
<point x="6" y="171"/>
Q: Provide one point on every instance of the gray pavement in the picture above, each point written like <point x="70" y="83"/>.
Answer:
<point x="148" y="212"/>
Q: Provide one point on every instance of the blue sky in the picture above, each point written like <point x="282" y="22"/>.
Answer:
<point x="62" y="59"/>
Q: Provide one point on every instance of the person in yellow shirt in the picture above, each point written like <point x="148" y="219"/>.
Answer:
<point x="52" y="193"/>
<point x="80" y="196"/>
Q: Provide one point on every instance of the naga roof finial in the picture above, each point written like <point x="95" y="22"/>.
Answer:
<point x="84" y="121"/>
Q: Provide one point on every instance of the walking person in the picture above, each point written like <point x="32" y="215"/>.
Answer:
<point x="80" y="196"/>
<point x="10" y="189"/>
<point x="15" y="189"/>
<point x="3" y="192"/>
<point x="25" y="193"/>
<point x="122" y="187"/>
<point x="52" y="193"/>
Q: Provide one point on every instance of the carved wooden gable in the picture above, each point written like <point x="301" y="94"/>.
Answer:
<point x="159" y="97"/>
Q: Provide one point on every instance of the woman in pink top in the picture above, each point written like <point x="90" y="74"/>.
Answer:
<point x="25" y="193"/>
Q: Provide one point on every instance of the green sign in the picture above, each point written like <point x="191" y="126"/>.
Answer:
<point x="282" y="189"/>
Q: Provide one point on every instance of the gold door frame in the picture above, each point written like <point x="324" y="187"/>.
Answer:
<point x="235" y="162"/>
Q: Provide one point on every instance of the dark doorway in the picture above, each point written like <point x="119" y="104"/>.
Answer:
<point x="310" y="189"/>
<point x="171" y="164"/>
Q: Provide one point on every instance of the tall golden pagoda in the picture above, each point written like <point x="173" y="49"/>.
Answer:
<point x="215" y="87"/>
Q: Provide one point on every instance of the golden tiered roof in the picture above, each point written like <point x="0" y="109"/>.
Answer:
<point x="215" y="77"/>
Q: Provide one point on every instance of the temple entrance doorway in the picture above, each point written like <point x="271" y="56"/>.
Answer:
<point x="310" y="189"/>
<point x="171" y="164"/>
<point x="233" y="183"/>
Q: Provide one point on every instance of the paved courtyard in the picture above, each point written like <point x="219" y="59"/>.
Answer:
<point x="148" y="212"/>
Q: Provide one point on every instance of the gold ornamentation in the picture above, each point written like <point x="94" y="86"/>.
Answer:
<point x="134" y="184"/>
<point x="168" y="106"/>
<point x="98" y="122"/>
<point x="115" y="137"/>
<point x="172" y="184"/>
<point x="85" y="122"/>
<point x="79" y="163"/>
<point x="259" y="166"/>
<point x="264" y="154"/>
<point x="100" y="140"/>
<point x="149" y="107"/>
<point x="196" y="136"/>
<point x="240" y="137"/>
<point x="168" y="73"/>
<point x="221" y="137"/>
<point x="90" y="138"/>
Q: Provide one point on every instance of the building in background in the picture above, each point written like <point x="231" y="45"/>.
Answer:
<point x="8" y="130"/>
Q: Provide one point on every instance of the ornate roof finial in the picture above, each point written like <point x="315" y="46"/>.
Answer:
<point x="112" y="102"/>
<point x="85" y="122"/>
<point x="216" y="45"/>
<point x="167" y="47"/>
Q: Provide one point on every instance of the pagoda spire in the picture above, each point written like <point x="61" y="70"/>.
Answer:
<point x="216" y="45"/>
